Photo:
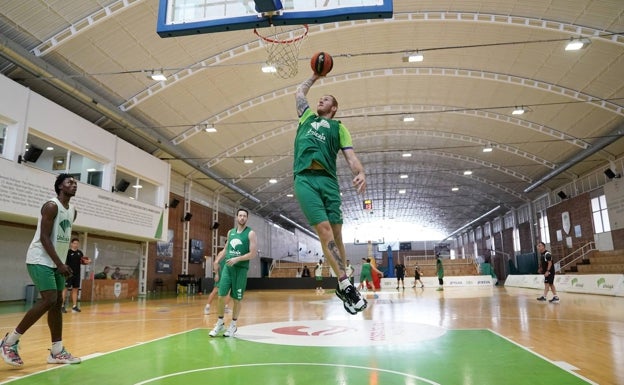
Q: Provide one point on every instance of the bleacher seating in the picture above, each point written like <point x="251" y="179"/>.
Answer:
<point x="603" y="262"/>
<point x="452" y="267"/>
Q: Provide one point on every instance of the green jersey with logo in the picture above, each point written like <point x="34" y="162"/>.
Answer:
<point x="61" y="236"/>
<point x="237" y="245"/>
<point x="319" y="139"/>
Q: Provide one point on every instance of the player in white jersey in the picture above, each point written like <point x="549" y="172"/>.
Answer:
<point x="46" y="266"/>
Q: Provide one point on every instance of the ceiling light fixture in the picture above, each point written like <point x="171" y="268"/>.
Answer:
<point x="402" y="191"/>
<point x="467" y="172"/>
<point x="408" y="119"/>
<point x="404" y="176"/>
<point x="158" y="76"/>
<point x="455" y="189"/>
<point x="273" y="181"/>
<point x="413" y="57"/>
<point x="210" y="129"/>
<point x="406" y="155"/>
<point x="247" y="160"/>
<point x="269" y="69"/>
<point x="577" y="43"/>
<point x="488" y="149"/>
<point x="518" y="111"/>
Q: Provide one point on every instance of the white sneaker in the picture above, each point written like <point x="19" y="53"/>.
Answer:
<point x="219" y="327"/>
<point x="230" y="331"/>
<point x="64" y="357"/>
<point x="207" y="309"/>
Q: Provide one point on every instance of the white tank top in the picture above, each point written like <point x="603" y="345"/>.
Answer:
<point x="61" y="237"/>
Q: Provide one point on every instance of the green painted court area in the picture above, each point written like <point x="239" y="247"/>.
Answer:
<point x="477" y="357"/>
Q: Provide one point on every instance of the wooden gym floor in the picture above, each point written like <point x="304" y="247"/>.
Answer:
<point x="478" y="336"/>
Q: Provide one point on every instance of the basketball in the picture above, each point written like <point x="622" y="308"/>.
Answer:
<point x="321" y="63"/>
<point x="85" y="260"/>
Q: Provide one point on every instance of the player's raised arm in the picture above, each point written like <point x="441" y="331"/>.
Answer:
<point x="302" y="91"/>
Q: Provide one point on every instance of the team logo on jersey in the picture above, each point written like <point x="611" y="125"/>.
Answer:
<point x="235" y="242"/>
<point x="65" y="224"/>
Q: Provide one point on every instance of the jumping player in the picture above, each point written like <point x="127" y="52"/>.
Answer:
<point x="318" y="140"/>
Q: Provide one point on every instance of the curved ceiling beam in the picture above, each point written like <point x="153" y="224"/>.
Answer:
<point x="82" y="25"/>
<point x="458" y="137"/>
<point x="407" y="71"/>
<point x="364" y="111"/>
<point x="487" y="18"/>
<point x="382" y="133"/>
<point x="442" y="154"/>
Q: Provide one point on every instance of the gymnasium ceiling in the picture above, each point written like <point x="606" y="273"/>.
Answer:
<point x="481" y="59"/>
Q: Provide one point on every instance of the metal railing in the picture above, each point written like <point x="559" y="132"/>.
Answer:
<point x="576" y="255"/>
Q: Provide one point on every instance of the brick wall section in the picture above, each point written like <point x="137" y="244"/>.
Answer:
<point x="579" y="208"/>
<point x="526" y="245"/>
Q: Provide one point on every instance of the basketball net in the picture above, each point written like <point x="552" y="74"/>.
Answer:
<point x="283" y="49"/>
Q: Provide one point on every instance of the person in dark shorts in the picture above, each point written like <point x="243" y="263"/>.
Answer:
<point x="440" y="272"/>
<point x="399" y="270"/>
<point x="547" y="267"/>
<point x="74" y="260"/>
<point x="417" y="275"/>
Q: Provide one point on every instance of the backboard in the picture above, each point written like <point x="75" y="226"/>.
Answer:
<point x="190" y="17"/>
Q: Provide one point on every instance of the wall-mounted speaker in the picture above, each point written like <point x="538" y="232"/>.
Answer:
<point x="187" y="217"/>
<point x="174" y="203"/>
<point x="215" y="225"/>
<point x="122" y="185"/>
<point x="32" y="154"/>
<point x="562" y="195"/>
<point x="610" y="174"/>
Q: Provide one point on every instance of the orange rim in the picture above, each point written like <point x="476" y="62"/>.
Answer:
<point x="289" y="41"/>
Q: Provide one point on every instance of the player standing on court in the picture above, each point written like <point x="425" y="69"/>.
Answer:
<point x="317" y="142"/>
<point x="240" y="248"/>
<point x="547" y="267"/>
<point x="48" y="272"/>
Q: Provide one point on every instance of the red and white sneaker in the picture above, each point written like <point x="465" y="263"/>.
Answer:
<point x="64" y="357"/>
<point x="9" y="353"/>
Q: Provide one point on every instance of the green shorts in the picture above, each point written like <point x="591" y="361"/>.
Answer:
<point x="46" y="277"/>
<point x="234" y="280"/>
<point x="318" y="277"/>
<point x="319" y="197"/>
<point x="366" y="277"/>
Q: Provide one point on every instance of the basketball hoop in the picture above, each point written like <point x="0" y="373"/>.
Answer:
<point x="283" y="50"/>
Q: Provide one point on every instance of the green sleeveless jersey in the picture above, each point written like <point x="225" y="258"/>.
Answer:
<point x="237" y="245"/>
<point x="319" y="139"/>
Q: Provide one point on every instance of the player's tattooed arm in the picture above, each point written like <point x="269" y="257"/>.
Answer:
<point x="302" y="91"/>
<point x="336" y="255"/>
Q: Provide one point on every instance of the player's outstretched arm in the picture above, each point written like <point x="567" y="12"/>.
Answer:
<point x="302" y="91"/>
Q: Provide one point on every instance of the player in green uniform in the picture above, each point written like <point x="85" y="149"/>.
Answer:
<point x="318" y="140"/>
<point x="240" y="248"/>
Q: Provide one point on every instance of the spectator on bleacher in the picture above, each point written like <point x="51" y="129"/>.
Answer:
<point x="117" y="274"/>
<point x="103" y="274"/>
<point x="305" y="273"/>
<point x="298" y="273"/>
